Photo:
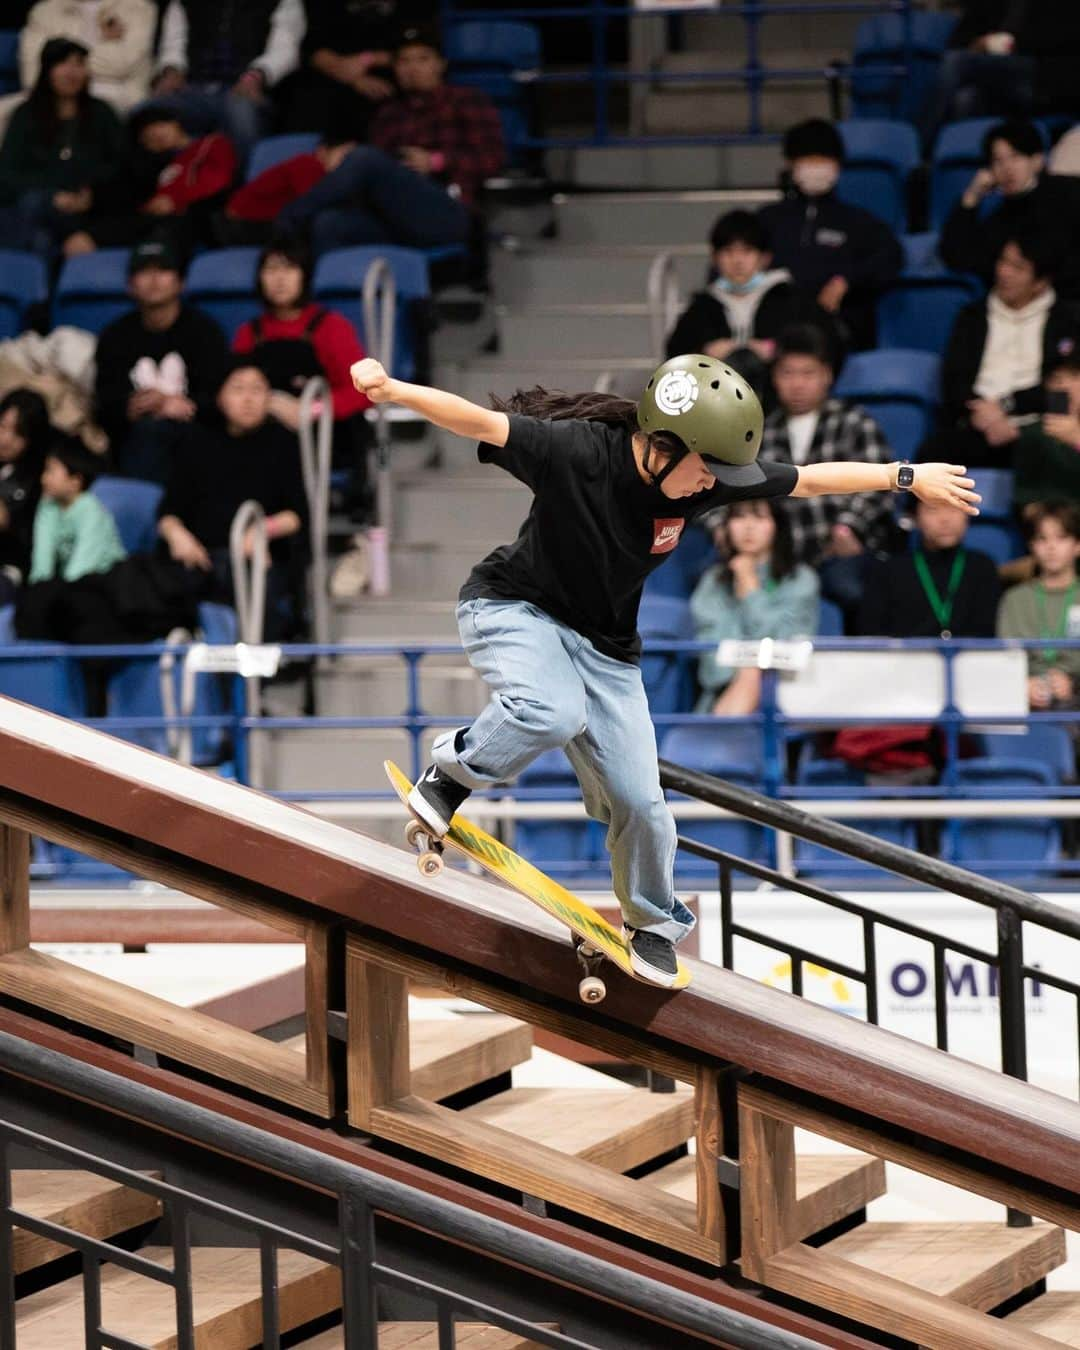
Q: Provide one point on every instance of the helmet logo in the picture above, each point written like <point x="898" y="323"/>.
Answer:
<point x="676" y="392"/>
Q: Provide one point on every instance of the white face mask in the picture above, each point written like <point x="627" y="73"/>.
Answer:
<point x="815" y="179"/>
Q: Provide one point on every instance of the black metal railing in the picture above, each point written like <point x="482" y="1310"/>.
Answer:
<point x="356" y="1250"/>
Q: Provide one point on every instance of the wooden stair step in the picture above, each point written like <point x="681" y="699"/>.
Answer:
<point x="448" y="1055"/>
<point x="92" y="1205"/>
<point x="976" y="1264"/>
<point x="618" y="1128"/>
<point x="828" y="1186"/>
<point x="227" y="1301"/>
<point x="1055" y="1315"/>
<point x="425" y="1336"/>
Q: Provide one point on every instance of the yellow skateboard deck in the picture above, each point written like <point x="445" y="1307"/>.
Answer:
<point x="582" y="920"/>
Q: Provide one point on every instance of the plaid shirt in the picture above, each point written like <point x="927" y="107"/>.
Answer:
<point x="461" y="125"/>
<point x="844" y="432"/>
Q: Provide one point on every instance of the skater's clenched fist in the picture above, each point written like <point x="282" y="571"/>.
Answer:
<point x="369" y="377"/>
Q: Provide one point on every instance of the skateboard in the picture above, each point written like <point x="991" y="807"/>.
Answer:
<point x="594" y="939"/>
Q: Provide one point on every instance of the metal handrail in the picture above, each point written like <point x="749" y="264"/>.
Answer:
<point x="664" y="295"/>
<point x="316" y="447"/>
<point x="379" y="301"/>
<point x="249" y="591"/>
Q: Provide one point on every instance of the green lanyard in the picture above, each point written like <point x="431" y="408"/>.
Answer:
<point x="1051" y="653"/>
<point x="942" y="608"/>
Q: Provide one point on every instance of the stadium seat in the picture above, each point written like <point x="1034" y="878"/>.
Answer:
<point x="133" y="505"/>
<point x="222" y="284"/>
<point x="560" y="845"/>
<point x="919" y="308"/>
<point x="731" y="753"/>
<point x="9" y="61"/>
<point x="24" y="281"/>
<point x="830" y="620"/>
<point x="339" y="281"/>
<point x="667" y="675"/>
<point x="683" y="569"/>
<point x="1048" y="745"/>
<point x="878" y="156"/>
<point x="881" y="45"/>
<point x="900" y="388"/>
<point x="54" y="684"/>
<point x="841" y="777"/>
<point x="92" y="289"/>
<point x="272" y="150"/>
<point x="995" y="487"/>
<point x="1005" y="844"/>
<point x="492" y="55"/>
<point x="1001" y="541"/>
<point x="956" y="156"/>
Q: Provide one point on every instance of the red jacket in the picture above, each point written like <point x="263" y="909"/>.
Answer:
<point x="336" y="348"/>
<point x="273" y="189"/>
<point x="202" y="169"/>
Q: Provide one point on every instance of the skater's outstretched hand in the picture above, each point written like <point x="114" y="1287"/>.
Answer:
<point x="369" y="377"/>
<point x="946" y="483"/>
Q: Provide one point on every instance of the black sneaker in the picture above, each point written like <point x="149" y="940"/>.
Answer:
<point x="652" y="956"/>
<point x="435" y="797"/>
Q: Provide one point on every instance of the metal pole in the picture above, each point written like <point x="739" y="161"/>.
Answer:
<point x="1012" y="1010"/>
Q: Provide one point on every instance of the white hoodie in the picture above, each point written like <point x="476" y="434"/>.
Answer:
<point x="1013" y="356"/>
<point x="741" y="306"/>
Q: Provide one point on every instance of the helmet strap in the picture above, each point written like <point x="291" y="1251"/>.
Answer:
<point x="657" y="478"/>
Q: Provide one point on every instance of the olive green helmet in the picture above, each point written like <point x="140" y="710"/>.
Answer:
<point x="712" y="410"/>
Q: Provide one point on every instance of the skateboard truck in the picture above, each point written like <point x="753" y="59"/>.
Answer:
<point x="430" y="850"/>
<point x="592" y="988"/>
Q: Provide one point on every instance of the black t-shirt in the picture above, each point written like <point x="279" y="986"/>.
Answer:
<point x="595" y="530"/>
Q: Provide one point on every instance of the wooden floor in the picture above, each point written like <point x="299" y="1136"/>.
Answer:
<point x="91" y="1205"/>
<point x="1055" y="1315"/>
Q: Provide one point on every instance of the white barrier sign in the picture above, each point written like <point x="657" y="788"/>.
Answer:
<point x="241" y="658"/>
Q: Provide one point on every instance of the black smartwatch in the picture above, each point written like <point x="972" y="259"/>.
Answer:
<point x="905" y="477"/>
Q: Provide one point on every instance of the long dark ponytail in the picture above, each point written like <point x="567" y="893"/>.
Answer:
<point x="610" y="409"/>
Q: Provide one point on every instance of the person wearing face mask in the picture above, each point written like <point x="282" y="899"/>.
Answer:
<point x="838" y="253"/>
<point x="1026" y="200"/>
<point x="746" y="305"/>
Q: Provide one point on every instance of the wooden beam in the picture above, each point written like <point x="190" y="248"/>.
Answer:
<point x="378" y="1056"/>
<point x="708" y="1132"/>
<point x="316" y="1004"/>
<point x="14" y="888"/>
<point x="766" y="1188"/>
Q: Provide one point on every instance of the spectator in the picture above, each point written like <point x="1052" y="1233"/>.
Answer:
<point x="157" y="366"/>
<point x="833" y="534"/>
<point x="218" y="60"/>
<point x="983" y="74"/>
<point x="746" y="305"/>
<point x="61" y="150"/>
<point x="1046" y="456"/>
<point x="295" y="339"/>
<point x="24" y="432"/>
<point x="757" y="590"/>
<point x="242" y="455"/>
<point x="74" y="535"/>
<point x="998" y="352"/>
<point x="251" y="212"/>
<point x="346" y="67"/>
<point x="117" y="34"/>
<point x="431" y="148"/>
<point x="838" y="253"/>
<point x="938" y="589"/>
<point x="1032" y="203"/>
<point x="1049" y="606"/>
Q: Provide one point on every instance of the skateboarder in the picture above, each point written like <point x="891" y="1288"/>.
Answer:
<point x="550" y="621"/>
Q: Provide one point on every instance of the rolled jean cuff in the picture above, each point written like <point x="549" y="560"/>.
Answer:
<point x="681" y="923"/>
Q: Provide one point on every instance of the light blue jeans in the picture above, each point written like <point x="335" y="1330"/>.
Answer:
<point x="550" y="687"/>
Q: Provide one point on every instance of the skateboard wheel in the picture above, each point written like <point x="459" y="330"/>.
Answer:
<point x="592" y="990"/>
<point x="414" y="832"/>
<point x="430" y="863"/>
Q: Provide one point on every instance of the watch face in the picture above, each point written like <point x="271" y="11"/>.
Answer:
<point x="905" y="476"/>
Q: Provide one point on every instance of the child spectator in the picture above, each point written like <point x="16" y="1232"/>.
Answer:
<point x="243" y="455"/>
<point x="24" y="433"/>
<point x="757" y="590"/>
<point x="156" y="366"/>
<point x="1046" y="457"/>
<point x="61" y="151"/>
<point x="251" y="212"/>
<point x="74" y="535"/>
<point x="431" y="147"/>
<point x="834" y="535"/>
<point x="118" y="36"/>
<point x="1032" y="204"/>
<point x="295" y="339"/>
<point x="1049" y="606"/>
<point x="838" y="253"/>
<point x="938" y="589"/>
<point x="746" y="305"/>
<point x="997" y="353"/>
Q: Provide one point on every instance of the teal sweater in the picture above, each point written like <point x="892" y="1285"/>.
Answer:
<point x="87" y="152"/>
<point x="73" y="541"/>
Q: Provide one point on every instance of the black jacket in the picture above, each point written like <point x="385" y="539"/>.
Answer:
<point x="705" y="319"/>
<point x="971" y="242"/>
<point x="895" y="605"/>
<point x="816" y="238"/>
<point x="20" y="491"/>
<point x="963" y="356"/>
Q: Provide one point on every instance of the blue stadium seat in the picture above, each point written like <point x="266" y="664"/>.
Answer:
<point x="731" y="753"/>
<point x="840" y="776"/>
<point x="23" y="281"/>
<point x="53" y="684"/>
<point x="881" y="45"/>
<point x="272" y="150"/>
<point x="133" y="505"/>
<point x="1048" y="745"/>
<point x="995" y="486"/>
<point x="221" y="283"/>
<point x="900" y="388"/>
<point x="830" y="619"/>
<point x="667" y="675"/>
<point x="684" y="567"/>
<point x="1005" y="845"/>
<point x="488" y="55"/>
<point x="1002" y="542"/>
<point x="92" y="289"/>
<point x="956" y="156"/>
<point x="878" y="156"/>
<point x="339" y="282"/>
<point x="919" y="308"/>
<point x="9" y="60"/>
<point x="562" y="845"/>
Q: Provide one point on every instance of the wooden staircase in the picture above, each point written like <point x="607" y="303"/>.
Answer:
<point x="92" y="1205"/>
<point x="424" y="1336"/>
